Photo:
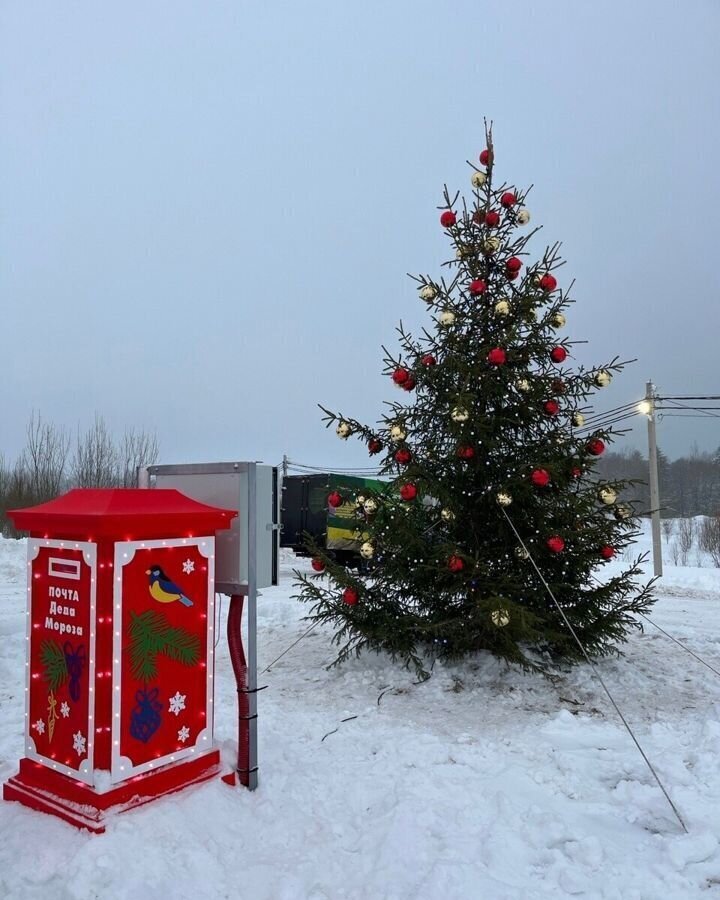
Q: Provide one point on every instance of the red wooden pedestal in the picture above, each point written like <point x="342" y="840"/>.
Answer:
<point x="120" y="638"/>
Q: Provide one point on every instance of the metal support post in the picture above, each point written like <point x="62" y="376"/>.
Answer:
<point x="654" y="480"/>
<point x="252" y="779"/>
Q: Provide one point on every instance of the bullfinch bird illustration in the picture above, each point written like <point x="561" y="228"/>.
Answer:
<point x="163" y="590"/>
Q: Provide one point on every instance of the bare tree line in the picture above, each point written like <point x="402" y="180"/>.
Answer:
<point x="52" y="462"/>
<point x="689" y="499"/>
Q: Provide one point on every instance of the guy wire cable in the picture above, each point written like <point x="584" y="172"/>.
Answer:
<point x="667" y="634"/>
<point x="288" y="649"/>
<point x="680" y="644"/>
<point x="595" y="670"/>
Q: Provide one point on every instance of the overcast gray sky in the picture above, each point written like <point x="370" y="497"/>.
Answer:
<point x="208" y="208"/>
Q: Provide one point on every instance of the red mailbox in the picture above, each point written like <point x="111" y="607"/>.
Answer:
<point x="120" y="638"/>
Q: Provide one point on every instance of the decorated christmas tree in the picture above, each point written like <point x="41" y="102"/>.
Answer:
<point x="492" y="528"/>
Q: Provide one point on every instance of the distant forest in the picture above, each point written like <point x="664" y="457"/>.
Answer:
<point x="53" y="460"/>
<point x="689" y="486"/>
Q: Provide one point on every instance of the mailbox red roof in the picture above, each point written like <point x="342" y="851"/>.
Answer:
<point x="123" y="513"/>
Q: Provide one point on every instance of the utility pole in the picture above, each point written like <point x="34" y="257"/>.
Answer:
<point x="285" y="465"/>
<point x="649" y="407"/>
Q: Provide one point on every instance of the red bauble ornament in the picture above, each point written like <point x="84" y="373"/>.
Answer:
<point x="318" y="565"/>
<point x="486" y="157"/>
<point x="558" y="354"/>
<point x="497" y="357"/>
<point x="448" y="218"/>
<point x="428" y="360"/>
<point x="335" y="499"/>
<point x="540" y="477"/>
<point x="400" y="375"/>
<point x="548" y="282"/>
<point x="551" y="407"/>
<point x="492" y="219"/>
<point x="350" y="596"/>
<point x="409" y="384"/>
<point x="403" y="456"/>
<point x="508" y="199"/>
<point x="408" y="491"/>
<point x="465" y="451"/>
<point x="513" y="264"/>
<point x="477" y="287"/>
<point x="479" y="217"/>
<point x="511" y="276"/>
<point x="576" y="471"/>
<point x="555" y="544"/>
<point x="558" y="386"/>
<point x="455" y="564"/>
<point x="374" y="446"/>
<point x="607" y="552"/>
<point x="595" y="447"/>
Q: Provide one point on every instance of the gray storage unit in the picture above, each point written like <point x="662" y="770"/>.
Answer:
<point x="240" y="486"/>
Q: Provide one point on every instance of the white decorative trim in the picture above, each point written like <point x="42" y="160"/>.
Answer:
<point x="85" y="772"/>
<point x="122" y="768"/>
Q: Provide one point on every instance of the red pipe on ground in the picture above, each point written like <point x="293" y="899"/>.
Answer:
<point x="239" y="664"/>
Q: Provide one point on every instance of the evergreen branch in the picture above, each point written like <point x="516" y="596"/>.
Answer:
<point x="150" y="634"/>
<point x="54" y="664"/>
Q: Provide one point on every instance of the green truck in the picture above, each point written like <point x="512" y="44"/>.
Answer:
<point x="305" y="509"/>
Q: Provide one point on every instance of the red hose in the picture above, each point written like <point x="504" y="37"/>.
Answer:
<point x="239" y="664"/>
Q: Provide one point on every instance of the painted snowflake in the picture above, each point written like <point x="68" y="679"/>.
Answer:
<point x="183" y="734"/>
<point x="39" y="726"/>
<point x="79" y="743"/>
<point x="177" y="703"/>
<point x="64" y="710"/>
<point x="188" y="566"/>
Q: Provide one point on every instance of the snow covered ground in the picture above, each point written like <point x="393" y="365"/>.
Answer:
<point x="480" y="783"/>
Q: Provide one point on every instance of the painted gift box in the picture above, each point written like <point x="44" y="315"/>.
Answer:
<point x="120" y="638"/>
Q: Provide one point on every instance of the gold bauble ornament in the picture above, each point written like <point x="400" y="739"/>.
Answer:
<point x="446" y="317"/>
<point x="343" y="430"/>
<point x="360" y="500"/>
<point x="608" y="495"/>
<point x="463" y="251"/>
<point x="428" y="292"/>
<point x="370" y="506"/>
<point x="491" y="245"/>
<point x="558" y="320"/>
<point x="502" y="308"/>
<point x="623" y="511"/>
<point x="447" y="515"/>
<point x="602" y="378"/>
<point x="367" y="551"/>
<point x="397" y="434"/>
<point x="500" y="617"/>
<point x="521" y="553"/>
<point x="478" y="179"/>
<point x="459" y="414"/>
<point x="522" y="384"/>
<point x="578" y="419"/>
<point x="503" y="498"/>
<point x="536" y="279"/>
<point x="523" y="216"/>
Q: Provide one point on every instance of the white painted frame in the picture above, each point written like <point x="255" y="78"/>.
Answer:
<point x="122" y="767"/>
<point x="86" y="771"/>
